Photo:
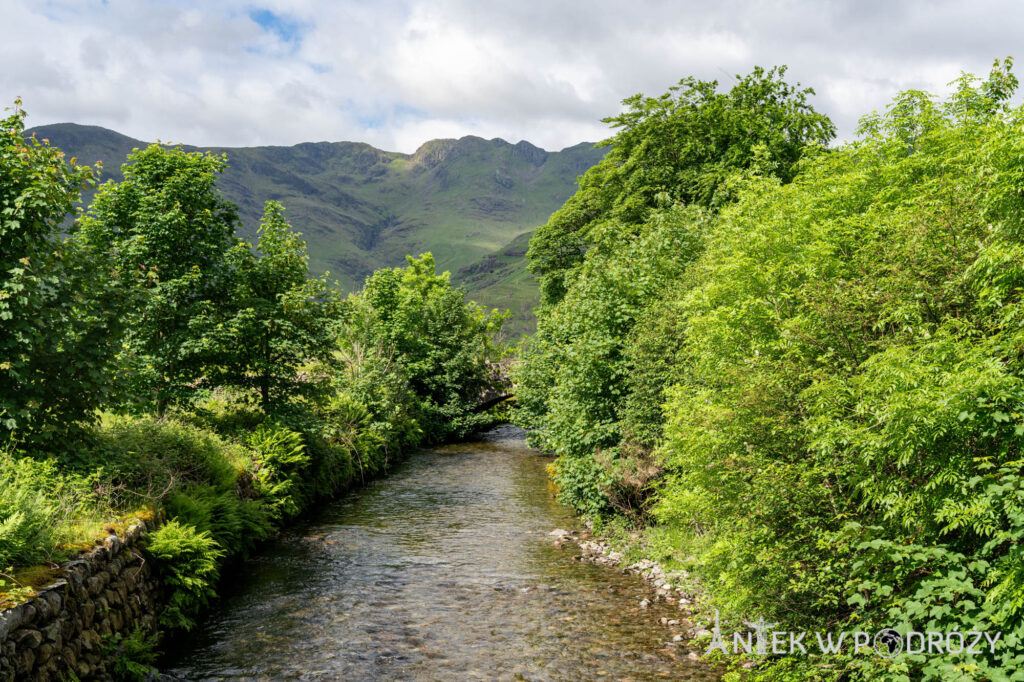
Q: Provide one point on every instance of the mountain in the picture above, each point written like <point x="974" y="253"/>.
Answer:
<point x="471" y="201"/>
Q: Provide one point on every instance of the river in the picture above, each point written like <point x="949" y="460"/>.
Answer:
<point x="441" y="571"/>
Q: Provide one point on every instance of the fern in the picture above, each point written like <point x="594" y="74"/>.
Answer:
<point x="188" y="561"/>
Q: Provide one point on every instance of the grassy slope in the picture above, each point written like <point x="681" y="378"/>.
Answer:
<point x="502" y="277"/>
<point x="361" y="208"/>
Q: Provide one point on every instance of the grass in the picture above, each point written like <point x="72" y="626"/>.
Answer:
<point x="500" y="280"/>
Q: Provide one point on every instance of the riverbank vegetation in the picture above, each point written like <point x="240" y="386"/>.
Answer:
<point x="798" y="368"/>
<point x="152" y="363"/>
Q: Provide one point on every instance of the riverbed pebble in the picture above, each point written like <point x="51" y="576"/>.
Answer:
<point x="674" y="587"/>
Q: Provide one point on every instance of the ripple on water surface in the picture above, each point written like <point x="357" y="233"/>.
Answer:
<point x="442" y="571"/>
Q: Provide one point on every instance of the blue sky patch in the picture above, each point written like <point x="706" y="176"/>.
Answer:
<point x="287" y="30"/>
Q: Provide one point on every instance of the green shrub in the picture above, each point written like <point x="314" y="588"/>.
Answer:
<point x="237" y="524"/>
<point x="582" y="483"/>
<point x="26" y="533"/>
<point x="148" y="457"/>
<point x="134" y="656"/>
<point x="279" y="463"/>
<point x="846" y="429"/>
<point x="829" y="368"/>
<point x="331" y="470"/>
<point x="225" y="412"/>
<point x="187" y="560"/>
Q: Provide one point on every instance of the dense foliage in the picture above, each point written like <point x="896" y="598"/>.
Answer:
<point x="444" y="345"/>
<point x="812" y="392"/>
<point x="637" y="222"/>
<point x="152" y="363"/>
<point x="59" y="313"/>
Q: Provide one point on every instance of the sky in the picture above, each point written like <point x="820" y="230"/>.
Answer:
<point x="396" y="73"/>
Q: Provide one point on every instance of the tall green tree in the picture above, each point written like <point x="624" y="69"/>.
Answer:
<point x="680" y="147"/>
<point x="60" y="315"/>
<point x="169" y="229"/>
<point x="276" y="319"/>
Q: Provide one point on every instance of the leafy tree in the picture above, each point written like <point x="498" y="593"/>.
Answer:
<point x="169" y="229"/>
<point x="60" y="316"/>
<point x="681" y="147"/>
<point x="443" y="342"/>
<point x="275" y="320"/>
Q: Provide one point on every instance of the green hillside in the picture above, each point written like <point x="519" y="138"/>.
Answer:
<point x="502" y="280"/>
<point x="470" y="201"/>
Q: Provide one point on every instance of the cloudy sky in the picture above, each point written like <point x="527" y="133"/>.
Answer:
<point x="395" y="73"/>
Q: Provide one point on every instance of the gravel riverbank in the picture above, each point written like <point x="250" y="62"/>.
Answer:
<point x="676" y="588"/>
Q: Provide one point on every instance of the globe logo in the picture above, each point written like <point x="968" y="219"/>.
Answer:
<point x="888" y="643"/>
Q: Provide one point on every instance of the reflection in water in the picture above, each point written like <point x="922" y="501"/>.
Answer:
<point x="442" y="571"/>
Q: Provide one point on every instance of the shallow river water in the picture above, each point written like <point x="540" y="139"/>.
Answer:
<point x="442" y="571"/>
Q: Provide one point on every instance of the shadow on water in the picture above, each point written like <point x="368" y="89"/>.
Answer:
<point x="442" y="571"/>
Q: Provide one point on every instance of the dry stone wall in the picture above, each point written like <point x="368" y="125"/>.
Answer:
<point x="69" y="629"/>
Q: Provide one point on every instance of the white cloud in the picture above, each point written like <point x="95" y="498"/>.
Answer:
<point x="398" y="72"/>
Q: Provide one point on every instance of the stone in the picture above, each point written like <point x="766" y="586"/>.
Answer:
<point x="45" y="653"/>
<point x="77" y="566"/>
<point x="43" y="610"/>
<point x="644" y="603"/>
<point x="98" y="557"/>
<point x="52" y="631"/>
<point x="95" y="585"/>
<point x="90" y="640"/>
<point x="559" y="533"/>
<point x="28" y="659"/>
<point x="54" y="595"/>
<point x="11" y="620"/>
<point x="28" y="639"/>
<point x="677" y="638"/>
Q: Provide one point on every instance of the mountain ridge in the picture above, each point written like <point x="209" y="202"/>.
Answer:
<point x="361" y="208"/>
